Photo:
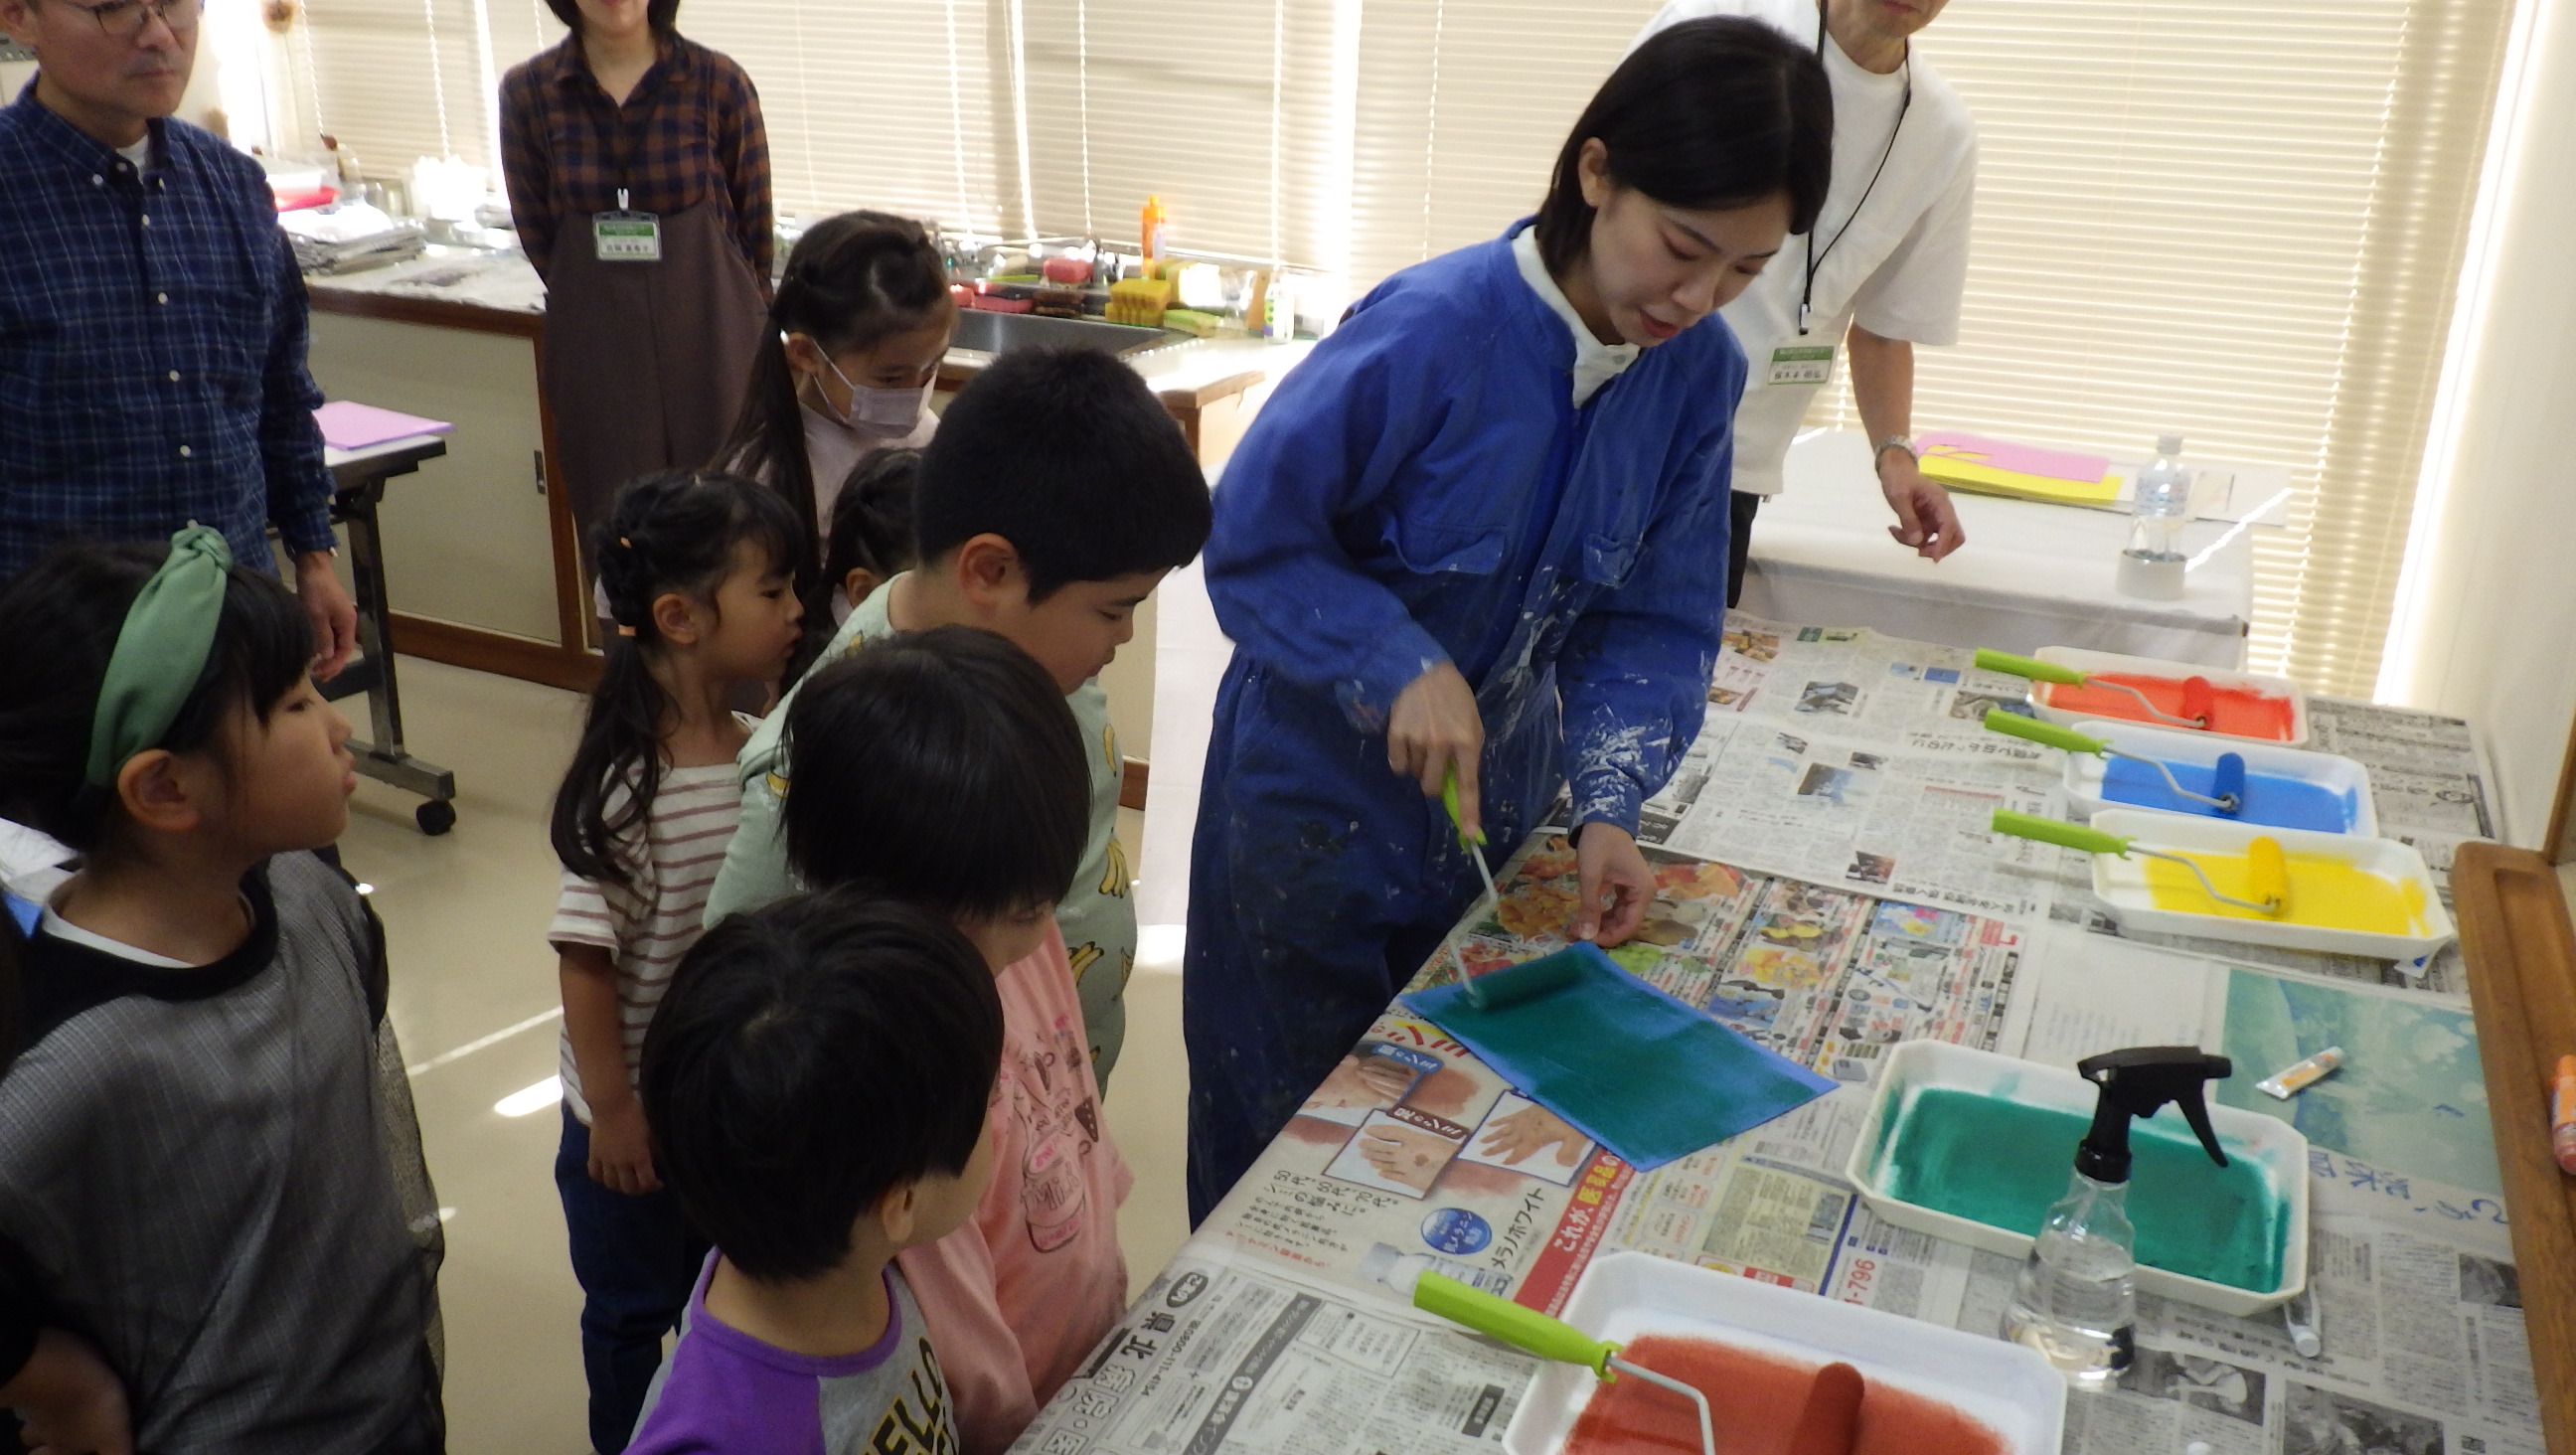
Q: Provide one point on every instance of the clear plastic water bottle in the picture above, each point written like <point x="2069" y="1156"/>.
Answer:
<point x="2151" y="564"/>
<point x="2076" y="1300"/>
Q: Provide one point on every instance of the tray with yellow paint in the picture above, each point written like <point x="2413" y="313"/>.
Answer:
<point x="2346" y="894"/>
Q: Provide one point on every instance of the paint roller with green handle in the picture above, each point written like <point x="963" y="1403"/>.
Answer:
<point x="2195" y="690"/>
<point x="2050" y="735"/>
<point x="2266" y="872"/>
<point x="1475" y="851"/>
<point x="1533" y="1332"/>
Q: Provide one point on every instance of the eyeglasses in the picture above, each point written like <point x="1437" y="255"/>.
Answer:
<point x="128" y="19"/>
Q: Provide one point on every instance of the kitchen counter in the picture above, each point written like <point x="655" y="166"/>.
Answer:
<point x="457" y="287"/>
<point x="484" y="554"/>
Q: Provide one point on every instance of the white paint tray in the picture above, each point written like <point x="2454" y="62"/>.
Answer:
<point x="1915" y="1065"/>
<point x="2122" y="883"/>
<point x="2011" y="1389"/>
<point x="2085" y="772"/>
<point x="2042" y="693"/>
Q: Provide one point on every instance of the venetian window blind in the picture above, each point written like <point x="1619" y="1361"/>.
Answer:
<point x="2239" y="218"/>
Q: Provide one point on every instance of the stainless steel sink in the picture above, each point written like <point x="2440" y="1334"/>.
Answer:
<point x="1000" y="333"/>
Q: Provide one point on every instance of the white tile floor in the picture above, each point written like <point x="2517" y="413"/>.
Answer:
<point x="473" y="996"/>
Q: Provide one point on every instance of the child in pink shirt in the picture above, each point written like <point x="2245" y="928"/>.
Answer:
<point x="945" y="768"/>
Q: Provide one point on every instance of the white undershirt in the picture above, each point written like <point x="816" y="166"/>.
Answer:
<point x="64" y="930"/>
<point x="140" y="154"/>
<point x="1595" y="363"/>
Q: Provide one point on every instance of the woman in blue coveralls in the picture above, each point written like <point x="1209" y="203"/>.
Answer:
<point x="1484" y="524"/>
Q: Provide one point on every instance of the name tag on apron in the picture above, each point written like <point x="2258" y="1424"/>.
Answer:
<point x="1801" y="364"/>
<point x="627" y="237"/>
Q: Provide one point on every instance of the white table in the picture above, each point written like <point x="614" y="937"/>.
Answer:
<point x="2030" y="576"/>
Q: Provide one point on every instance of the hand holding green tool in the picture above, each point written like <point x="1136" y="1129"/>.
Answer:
<point x="1475" y="851"/>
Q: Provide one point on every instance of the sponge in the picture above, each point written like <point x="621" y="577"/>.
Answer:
<point x="1140" y="301"/>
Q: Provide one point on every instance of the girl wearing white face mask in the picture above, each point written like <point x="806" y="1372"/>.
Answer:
<point x="855" y="336"/>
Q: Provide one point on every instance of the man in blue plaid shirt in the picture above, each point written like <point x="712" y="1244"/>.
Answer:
<point x="152" y="323"/>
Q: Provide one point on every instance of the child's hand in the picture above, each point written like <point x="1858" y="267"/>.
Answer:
<point x="621" y="1148"/>
<point x="1434" y="724"/>
<point x="69" y="1401"/>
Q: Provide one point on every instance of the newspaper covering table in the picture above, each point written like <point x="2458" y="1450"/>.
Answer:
<point x="1826" y="885"/>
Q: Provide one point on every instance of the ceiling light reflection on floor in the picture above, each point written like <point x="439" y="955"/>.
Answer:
<point x="529" y="1100"/>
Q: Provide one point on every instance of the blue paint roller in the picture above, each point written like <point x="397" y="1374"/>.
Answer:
<point x="2227" y="785"/>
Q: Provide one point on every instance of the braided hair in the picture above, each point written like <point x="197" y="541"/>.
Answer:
<point x="852" y="280"/>
<point x="671" y="532"/>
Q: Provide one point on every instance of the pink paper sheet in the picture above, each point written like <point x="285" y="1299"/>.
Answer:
<point x="2006" y="455"/>
<point x="351" y="426"/>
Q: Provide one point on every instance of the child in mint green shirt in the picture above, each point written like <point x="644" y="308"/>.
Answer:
<point x="1056" y="495"/>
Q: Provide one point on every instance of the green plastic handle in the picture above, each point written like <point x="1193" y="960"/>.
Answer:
<point x="1522" y="1328"/>
<point x="1449" y="801"/>
<point x="2046" y="734"/>
<point x="2005" y="662"/>
<point x="2057" y="831"/>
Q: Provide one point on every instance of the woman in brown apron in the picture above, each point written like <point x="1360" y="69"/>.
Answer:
<point x="638" y="173"/>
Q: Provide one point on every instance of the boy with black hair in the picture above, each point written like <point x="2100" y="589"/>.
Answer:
<point x="816" y="1082"/>
<point x="1054" y="499"/>
<point x="944" y="768"/>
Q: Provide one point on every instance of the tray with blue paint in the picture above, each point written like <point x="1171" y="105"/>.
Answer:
<point x="2123" y="765"/>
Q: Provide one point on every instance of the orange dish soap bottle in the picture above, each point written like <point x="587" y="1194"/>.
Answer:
<point x="1150" y="231"/>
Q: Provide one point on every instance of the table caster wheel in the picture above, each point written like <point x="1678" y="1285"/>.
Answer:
<point x="435" y="817"/>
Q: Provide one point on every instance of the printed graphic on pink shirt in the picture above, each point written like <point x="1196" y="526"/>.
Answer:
<point x="1059" y="1125"/>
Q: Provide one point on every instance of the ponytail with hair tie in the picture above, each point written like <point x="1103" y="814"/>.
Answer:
<point x="676" y="531"/>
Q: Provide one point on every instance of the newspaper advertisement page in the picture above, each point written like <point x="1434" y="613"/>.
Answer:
<point x="1851" y="680"/>
<point x="2427" y="778"/>
<point x="1902" y="814"/>
<point x="1826" y="977"/>
<point x="1220" y="1356"/>
<point x="1413" y="1147"/>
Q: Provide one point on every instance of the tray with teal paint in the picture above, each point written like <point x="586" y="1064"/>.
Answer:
<point x="1974" y="1147"/>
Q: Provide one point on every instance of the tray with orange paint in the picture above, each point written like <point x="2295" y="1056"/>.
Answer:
<point x="1754" y="1349"/>
<point x="2244" y="705"/>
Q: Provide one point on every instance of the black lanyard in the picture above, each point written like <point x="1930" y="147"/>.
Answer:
<point x="1807" y="296"/>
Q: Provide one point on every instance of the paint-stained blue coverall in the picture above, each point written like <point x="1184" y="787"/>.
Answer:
<point x="1422" y="489"/>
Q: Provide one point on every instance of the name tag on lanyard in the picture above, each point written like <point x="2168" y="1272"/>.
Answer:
<point x="1800" y="364"/>
<point x="622" y="236"/>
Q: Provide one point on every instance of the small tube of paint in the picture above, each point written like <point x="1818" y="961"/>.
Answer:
<point x="2562" y="1114"/>
<point x="2290" y="1080"/>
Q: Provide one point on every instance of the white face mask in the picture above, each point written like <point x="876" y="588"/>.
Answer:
<point x="884" y="410"/>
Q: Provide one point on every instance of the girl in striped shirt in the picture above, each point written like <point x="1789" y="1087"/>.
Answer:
<point x="699" y="571"/>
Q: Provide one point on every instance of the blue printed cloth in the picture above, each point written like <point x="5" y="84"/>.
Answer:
<point x="1644" y="1074"/>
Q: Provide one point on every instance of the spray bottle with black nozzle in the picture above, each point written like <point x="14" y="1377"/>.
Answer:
<point x="2076" y="1301"/>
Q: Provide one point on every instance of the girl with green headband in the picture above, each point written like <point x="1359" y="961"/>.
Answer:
<point x="216" y="1230"/>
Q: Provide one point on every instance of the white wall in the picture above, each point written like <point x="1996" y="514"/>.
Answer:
<point x="2486" y="614"/>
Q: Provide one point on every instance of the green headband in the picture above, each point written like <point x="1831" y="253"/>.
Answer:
<point x="160" y="651"/>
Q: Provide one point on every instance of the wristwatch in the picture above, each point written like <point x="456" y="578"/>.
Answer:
<point x="1894" y="442"/>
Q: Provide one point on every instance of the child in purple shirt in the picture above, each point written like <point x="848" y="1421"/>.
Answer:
<point x="816" y="1081"/>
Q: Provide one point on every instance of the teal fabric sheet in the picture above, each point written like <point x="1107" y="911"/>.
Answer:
<point x="1635" y="1069"/>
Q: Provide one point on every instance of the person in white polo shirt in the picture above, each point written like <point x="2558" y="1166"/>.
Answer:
<point x="1881" y="272"/>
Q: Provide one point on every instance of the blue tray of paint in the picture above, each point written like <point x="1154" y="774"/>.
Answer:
<point x="2285" y="788"/>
